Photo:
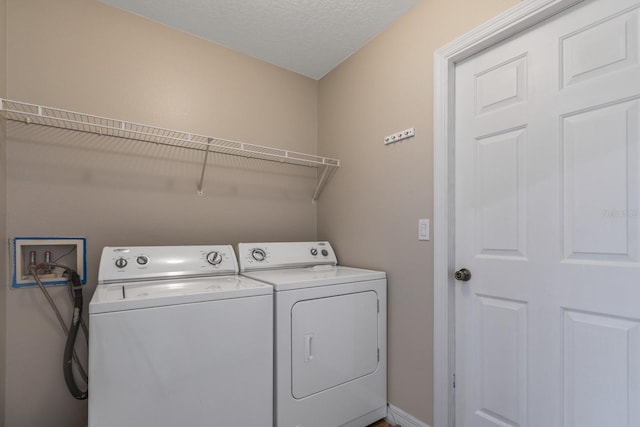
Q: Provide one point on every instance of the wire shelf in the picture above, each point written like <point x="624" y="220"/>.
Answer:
<point x="71" y="120"/>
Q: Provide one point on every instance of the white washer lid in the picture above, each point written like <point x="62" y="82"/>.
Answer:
<point x="136" y="295"/>
<point x="309" y="277"/>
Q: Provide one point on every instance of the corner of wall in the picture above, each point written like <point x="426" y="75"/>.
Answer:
<point x="398" y="417"/>
<point x="370" y="209"/>
<point x="3" y="210"/>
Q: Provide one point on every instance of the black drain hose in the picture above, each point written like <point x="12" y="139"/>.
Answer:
<point x="67" y="363"/>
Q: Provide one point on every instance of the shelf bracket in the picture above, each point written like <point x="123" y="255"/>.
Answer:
<point x="204" y="165"/>
<point x="327" y="171"/>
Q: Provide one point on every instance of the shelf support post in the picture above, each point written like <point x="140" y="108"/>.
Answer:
<point x="204" y="166"/>
<point x="326" y="171"/>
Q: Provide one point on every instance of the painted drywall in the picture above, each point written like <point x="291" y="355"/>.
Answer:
<point x="85" y="56"/>
<point x="3" y="207"/>
<point x="371" y="208"/>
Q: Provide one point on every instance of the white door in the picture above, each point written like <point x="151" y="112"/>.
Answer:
<point x="548" y="223"/>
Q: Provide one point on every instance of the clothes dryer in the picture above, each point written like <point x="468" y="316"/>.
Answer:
<point x="177" y="338"/>
<point x="330" y="334"/>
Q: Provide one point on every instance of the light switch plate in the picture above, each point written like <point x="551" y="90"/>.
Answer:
<point x="423" y="229"/>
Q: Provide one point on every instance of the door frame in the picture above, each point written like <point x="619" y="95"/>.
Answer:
<point x="512" y="22"/>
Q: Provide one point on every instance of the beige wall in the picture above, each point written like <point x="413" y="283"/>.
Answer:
<point x="370" y="210"/>
<point x="82" y="55"/>
<point x="85" y="56"/>
<point x="3" y="208"/>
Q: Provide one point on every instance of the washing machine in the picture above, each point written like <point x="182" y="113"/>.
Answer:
<point x="330" y="334"/>
<point x="178" y="338"/>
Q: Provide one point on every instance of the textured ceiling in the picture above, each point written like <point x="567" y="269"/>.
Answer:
<point x="310" y="37"/>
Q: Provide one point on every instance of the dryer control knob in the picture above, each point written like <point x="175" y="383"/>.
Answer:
<point x="214" y="258"/>
<point x="142" y="260"/>
<point x="121" y="263"/>
<point x="325" y="252"/>
<point x="314" y="252"/>
<point x="258" y="254"/>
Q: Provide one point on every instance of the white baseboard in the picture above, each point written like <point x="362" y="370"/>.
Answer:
<point x="397" y="416"/>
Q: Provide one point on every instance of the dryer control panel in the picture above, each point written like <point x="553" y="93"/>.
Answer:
<point x="274" y="255"/>
<point x="136" y="263"/>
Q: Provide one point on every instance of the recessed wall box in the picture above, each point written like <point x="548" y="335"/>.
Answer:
<point x="68" y="251"/>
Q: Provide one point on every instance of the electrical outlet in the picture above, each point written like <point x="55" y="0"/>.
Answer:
<point x="399" y="136"/>
<point x="68" y="251"/>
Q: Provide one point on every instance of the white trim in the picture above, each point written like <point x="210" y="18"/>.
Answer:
<point x="397" y="416"/>
<point x="513" y="21"/>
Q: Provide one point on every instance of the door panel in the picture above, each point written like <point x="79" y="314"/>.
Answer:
<point x="334" y="340"/>
<point x="600" y="365"/>
<point x="502" y="361"/>
<point x="600" y="48"/>
<point x="548" y="221"/>
<point x="600" y="171"/>
<point x="502" y="194"/>
<point x="502" y="85"/>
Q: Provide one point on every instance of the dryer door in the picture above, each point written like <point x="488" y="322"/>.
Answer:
<point x="334" y="340"/>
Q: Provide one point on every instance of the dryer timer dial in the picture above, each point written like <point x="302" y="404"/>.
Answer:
<point x="258" y="254"/>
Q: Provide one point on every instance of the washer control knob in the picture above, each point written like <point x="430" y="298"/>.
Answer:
<point x="142" y="260"/>
<point x="314" y="251"/>
<point x="214" y="258"/>
<point x="121" y="263"/>
<point x="258" y="254"/>
<point x="325" y="252"/>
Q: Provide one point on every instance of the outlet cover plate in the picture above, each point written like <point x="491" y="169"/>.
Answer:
<point x="423" y="229"/>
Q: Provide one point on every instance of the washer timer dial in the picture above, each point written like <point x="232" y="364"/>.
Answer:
<point x="258" y="254"/>
<point x="214" y="258"/>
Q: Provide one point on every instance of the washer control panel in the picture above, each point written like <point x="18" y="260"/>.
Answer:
<point x="119" y="264"/>
<point x="260" y="256"/>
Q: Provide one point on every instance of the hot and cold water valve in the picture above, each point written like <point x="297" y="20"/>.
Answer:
<point x="28" y="251"/>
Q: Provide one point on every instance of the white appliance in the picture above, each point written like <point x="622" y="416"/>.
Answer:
<point x="177" y="338"/>
<point x="330" y="334"/>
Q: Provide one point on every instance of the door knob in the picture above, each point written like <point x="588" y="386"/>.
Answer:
<point x="463" y="275"/>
